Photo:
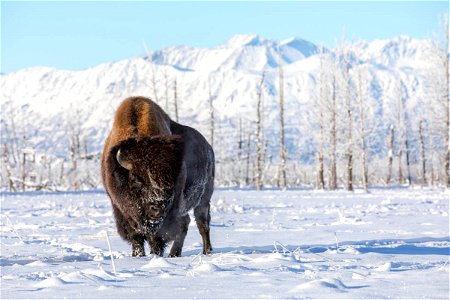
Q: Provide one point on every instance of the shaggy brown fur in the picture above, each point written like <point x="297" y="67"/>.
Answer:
<point x="163" y="155"/>
<point x="156" y="170"/>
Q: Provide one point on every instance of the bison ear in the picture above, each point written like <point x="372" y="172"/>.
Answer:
<point x="165" y="160"/>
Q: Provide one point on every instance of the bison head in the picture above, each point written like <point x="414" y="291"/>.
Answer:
<point x="154" y="165"/>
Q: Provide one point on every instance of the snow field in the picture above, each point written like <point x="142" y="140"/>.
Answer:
<point x="390" y="243"/>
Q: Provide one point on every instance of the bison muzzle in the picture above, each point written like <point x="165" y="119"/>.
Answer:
<point x="155" y="171"/>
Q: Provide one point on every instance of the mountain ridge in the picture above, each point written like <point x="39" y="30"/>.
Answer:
<point x="50" y="105"/>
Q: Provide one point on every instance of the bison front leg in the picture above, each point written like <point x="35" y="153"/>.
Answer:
<point x="128" y="232"/>
<point x="137" y="247"/>
<point x="183" y="223"/>
<point x="202" y="218"/>
<point x="157" y="244"/>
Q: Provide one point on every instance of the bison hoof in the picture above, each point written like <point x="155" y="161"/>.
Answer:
<point x="175" y="253"/>
<point x="138" y="252"/>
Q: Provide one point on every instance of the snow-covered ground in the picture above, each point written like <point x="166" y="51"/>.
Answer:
<point x="390" y="243"/>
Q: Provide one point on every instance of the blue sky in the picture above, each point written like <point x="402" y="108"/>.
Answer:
<point x="78" y="35"/>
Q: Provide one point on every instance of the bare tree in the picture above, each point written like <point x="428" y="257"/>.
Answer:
<point x="258" y="133"/>
<point x="283" y="152"/>
<point x="166" y="86"/>
<point x="325" y="110"/>
<point x="344" y="82"/>
<point x="153" y="75"/>
<point x="211" y="114"/>
<point x="405" y="119"/>
<point x="438" y="128"/>
<point x="422" y="153"/>
<point x="247" y="165"/>
<point x="390" y="153"/>
<point x="240" y="151"/>
<point x="400" y="137"/>
<point x="320" y="153"/>
<point x="321" y="178"/>
<point x="362" y="131"/>
<point x="333" y="135"/>
<point x="408" y="154"/>
<point x="444" y="58"/>
<point x="28" y="162"/>
<point x="175" y="99"/>
<point x="14" y="135"/>
<point x="154" y="82"/>
<point x="6" y="168"/>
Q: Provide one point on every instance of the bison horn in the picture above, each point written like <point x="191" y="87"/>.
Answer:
<point x="125" y="164"/>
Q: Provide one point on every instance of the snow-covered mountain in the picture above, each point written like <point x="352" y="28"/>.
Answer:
<point x="47" y="106"/>
<point x="241" y="52"/>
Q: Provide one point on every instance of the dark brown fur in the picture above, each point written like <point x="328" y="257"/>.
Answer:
<point x="155" y="170"/>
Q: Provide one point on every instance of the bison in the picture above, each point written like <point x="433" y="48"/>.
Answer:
<point x="155" y="171"/>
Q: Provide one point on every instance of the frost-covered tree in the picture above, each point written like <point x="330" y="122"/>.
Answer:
<point x="333" y="133"/>
<point x="423" y="174"/>
<point x="325" y="119"/>
<point x="443" y="63"/>
<point x="283" y="151"/>
<point x="152" y="76"/>
<point x="361" y="99"/>
<point x="175" y="100"/>
<point x="258" y="133"/>
<point x="345" y="103"/>
<point x="211" y="114"/>
<point x="438" y="124"/>
<point x="390" y="153"/>
<point x="400" y="128"/>
<point x="319" y="108"/>
<point x="166" y="90"/>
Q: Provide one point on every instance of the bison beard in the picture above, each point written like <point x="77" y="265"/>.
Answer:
<point x="154" y="171"/>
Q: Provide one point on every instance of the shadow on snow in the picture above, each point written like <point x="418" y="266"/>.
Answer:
<point x="413" y="246"/>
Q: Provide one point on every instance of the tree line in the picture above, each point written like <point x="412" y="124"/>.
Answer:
<point x="352" y="134"/>
<point x="356" y="140"/>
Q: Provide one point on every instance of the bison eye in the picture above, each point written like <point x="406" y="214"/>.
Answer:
<point x="136" y="180"/>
